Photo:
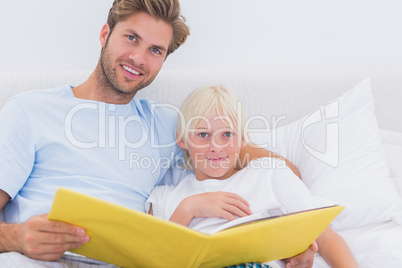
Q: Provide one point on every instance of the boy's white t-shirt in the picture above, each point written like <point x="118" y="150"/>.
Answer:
<point x="266" y="183"/>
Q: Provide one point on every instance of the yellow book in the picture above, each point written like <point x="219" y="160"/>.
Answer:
<point x="129" y="238"/>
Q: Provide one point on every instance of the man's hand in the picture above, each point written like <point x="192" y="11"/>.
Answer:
<point x="42" y="239"/>
<point x="303" y="260"/>
<point x="251" y="151"/>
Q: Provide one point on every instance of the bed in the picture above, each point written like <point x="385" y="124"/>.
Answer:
<point x="342" y="129"/>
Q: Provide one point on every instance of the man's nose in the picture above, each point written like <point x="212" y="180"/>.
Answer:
<point x="138" y="56"/>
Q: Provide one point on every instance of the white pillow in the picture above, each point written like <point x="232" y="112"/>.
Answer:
<point x="340" y="157"/>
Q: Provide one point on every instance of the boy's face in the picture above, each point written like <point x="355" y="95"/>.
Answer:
<point x="214" y="148"/>
<point x="133" y="53"/>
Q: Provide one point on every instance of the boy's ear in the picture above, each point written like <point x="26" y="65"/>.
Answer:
<point x="181" y="144"/>
<point x="243" y="143"/>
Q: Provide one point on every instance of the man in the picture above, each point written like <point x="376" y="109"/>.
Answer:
<point x="84" y="137"/>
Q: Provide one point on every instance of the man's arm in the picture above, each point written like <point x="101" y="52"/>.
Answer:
<point x="303" y="260"/>
<point x="7" y="231"/>
<point x="4" y="197"/>
<point x="251" y="151"/>
<point x="39" y="238"/>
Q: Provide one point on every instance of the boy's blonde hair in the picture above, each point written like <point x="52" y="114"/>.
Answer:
<point x="217" y="100"/>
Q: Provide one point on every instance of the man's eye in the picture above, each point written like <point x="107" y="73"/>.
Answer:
<point x="155" y="50"/>
<point x="228" y="134"/>
<point x="132" y="37"/>
<point x="203" y="135"/>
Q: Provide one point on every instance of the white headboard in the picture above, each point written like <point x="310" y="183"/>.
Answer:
<point x="292" y="93"/>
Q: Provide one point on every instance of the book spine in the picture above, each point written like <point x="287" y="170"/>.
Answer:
<point x="203" y="250"/>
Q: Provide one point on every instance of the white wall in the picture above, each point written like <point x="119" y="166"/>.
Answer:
<point x="51" y="34"/>
<point x="236" y="34"/>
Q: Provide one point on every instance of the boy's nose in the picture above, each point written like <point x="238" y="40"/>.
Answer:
<point x="216" y="145"/>
<point x="216" y="149"/>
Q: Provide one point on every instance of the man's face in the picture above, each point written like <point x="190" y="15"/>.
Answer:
<point x="133" y="53"/>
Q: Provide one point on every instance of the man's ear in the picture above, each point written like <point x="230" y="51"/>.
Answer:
<point x="105" y="31"/>
<point x="181" y="144"/>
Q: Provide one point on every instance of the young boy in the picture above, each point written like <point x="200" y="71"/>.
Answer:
<point x="211" y="132"/>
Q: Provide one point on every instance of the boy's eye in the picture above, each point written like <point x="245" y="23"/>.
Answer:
<point x="203" y="135"/>
<point x="228" y="134"/>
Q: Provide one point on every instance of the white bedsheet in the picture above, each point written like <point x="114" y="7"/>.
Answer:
<point x="376" y="245"/>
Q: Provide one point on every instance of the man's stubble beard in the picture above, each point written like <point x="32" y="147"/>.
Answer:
<point x="107" y="78"/>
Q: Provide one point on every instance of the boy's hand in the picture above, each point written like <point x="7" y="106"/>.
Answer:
<point x="212" y="204"/>
<point x="218" y="204"/>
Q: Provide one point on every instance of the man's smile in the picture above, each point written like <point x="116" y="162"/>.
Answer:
<point x="131" y="70"/>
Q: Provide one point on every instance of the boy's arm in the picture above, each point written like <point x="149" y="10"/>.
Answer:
<point x="334" y="250"/>
<point x="251" y="151"/>
<point x="150" y="212"/>
<point x="211" y="204"/>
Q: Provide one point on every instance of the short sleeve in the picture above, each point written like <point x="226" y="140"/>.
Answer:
<point x="158" y="198"/>
<point x="293" y="194"/>
<point x="17" y="149"/>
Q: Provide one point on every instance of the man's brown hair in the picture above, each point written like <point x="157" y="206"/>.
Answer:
<point x="165" y="10"/>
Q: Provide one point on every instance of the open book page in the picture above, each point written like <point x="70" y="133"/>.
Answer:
<point x="263" y="215"/>
<point x="250" y="218"/>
